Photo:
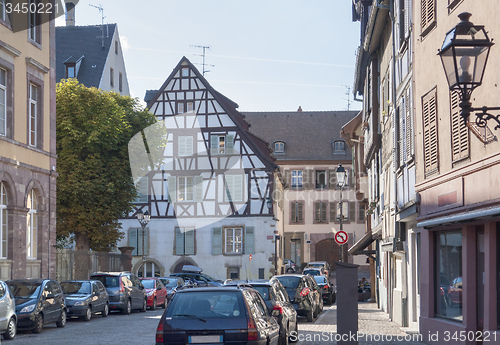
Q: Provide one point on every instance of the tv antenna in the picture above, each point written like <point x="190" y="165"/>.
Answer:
<point x="348" y="93"/>
<point x="102" y="22"/>
<point x="203" y="54"/>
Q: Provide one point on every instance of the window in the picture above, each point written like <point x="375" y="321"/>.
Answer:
<point x="34" y="22"/>
<point x="149" y="269"/>
<point x="279" y="147"/>
<point x="190" y="188"/>
<point x="33" y="114"/>
<point x="180" y="108"/>
<point x="139" y="239"/>
<point x="321" y="179"/>
<point x="338" y="147"/>
<point x="184" y="241"/>
<point x="428" y="16"/>
<point x="429" y="110"/>
<point x="233" y="273"/>
<point x="120" y="81"/>
<point x="297" y="212"/>
<point x="185" y="71"/>
<point x="348" y="211"/>
<point x="70" y="71"/>
<point x="111" y="77"/>
<point x="3" y="102"/>
<point x="183" y="107"/>
<point x="221" y="144"/>
<point x="297" y="180"/>
<point x="448" y="275"/>
<point x="185" y="146"/>
<point x="459" y="130"/>
<point x="189" y="106"/>
<point x="320" y="212"/>
<point x="186" y="189"/>
<point x="233" y="240"/>
<point x="405" y="18"/>
<point x="233" y="187"/>
<point x="32" y="226"/>
<point x="361" y="213"/>
<point x="116" y="47"/>
<point x="3" y="221"/>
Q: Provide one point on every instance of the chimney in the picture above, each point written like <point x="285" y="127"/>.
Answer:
<point x="300" y="109"/>
<point x="70" y="13"/>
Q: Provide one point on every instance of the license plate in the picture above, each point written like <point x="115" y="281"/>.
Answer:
<point x="205" y="339"/>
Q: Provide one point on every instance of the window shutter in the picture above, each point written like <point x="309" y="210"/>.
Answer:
<point x="179" y="242"/>
<point x="249" y="240"/>
<point x="229" y="144"/>
<point x="407" y="17"/>
<point x="308" y="181"/>
<point x="172" y="189"/>
<point x="361" y="216"/>
<point x="144" y="233"/>
<point x="287" y="176"/>
<point x="181" y="146"/>
<point x="323" y="212"/>
<point x="430" y="132"/>
<point x="234" y="187"/>
<point x="402" y="134"/>
<point x="459" y="131"/>
<point x="132" y="240"/>
<point x="293" y="212"/>
<point x="300" y="212"/>
<point x="317" y="212"/>
<point x="214" y="144"/>
<point x="333" y="212"/>
<point x="409" y="125"/>
<point x="198" y="188"/>
<point x="332" y="179"/>
<point x="395" y="138"/>
<point x="142" y="190"/>
<point x="427" y="13"/>
<point x="188" y="146"/>
<point x="216" y="241"/>
<point x="352" y="211"/>
<point x="189" y="241"/>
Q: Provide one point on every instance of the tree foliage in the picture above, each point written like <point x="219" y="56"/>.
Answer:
<point x="94" y="187"/>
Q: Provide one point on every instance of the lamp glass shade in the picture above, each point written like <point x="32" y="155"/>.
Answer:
<point x="269" y="203"/>
<point x="140" y="215"/>
<point x="341" y="175"/>
<point x="147" y="216"/>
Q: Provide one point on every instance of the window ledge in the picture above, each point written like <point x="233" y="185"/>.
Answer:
<point x="35" y="43"/>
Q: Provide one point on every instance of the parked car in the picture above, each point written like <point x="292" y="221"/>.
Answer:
<point x="171" y="284"/>
<point x="324" y="264"/>
<point x="124" y="289"/>
<point x="278" y="303"/>
<point x="290" y="266"/>
<point x="455" y="292"/>
<point x="316" y="292"/>
<point x="228" y="315"/>
<point x="326" y="288"/>
<point x="314" y="271"/>
<point x="302" y="295"/>
<point x="156" y="292"/>
<point x="38" y="303"/>
<point x="85" y="297"/>
<point x="8" y="317"/>
<point x="193" y="273"/>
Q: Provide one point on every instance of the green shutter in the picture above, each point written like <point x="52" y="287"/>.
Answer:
<point x="172" y="189"/>
<point x="179" y="242"/>
<point x="189" y="241"/>
<point x="142" y="190"/>
<point x="214" y="144"/>
<point x="229" y="144"/>
<point x="181" y="146"/>
<point x="249" y="240"/>
<point x="132" y="240"/>
<point x="198" y="188"/>
<point x="352" y="211"/>
<point x="216" y="241"/>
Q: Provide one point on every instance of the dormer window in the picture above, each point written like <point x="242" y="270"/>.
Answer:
<point x="70" y="72"/>
<point x="185" y="71"/>
<point x="279" y="147"/>
<point x="338" y="146"/>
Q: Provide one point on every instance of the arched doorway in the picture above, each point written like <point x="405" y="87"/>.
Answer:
<point x="150" y="268"/>
<point x="179" y="264"/>
<point x="328" y="250"/>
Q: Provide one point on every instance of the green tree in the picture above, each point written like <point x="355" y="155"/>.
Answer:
<point x="95" y="187"/>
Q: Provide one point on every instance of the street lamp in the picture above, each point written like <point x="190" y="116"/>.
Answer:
<point x="143" y="219"/>
<point x="341" y="180"/>
<point x="464" y="55"/>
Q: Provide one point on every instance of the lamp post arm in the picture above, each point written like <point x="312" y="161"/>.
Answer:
<point x="483" y="115"/>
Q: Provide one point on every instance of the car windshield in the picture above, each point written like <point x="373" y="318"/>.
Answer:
<point x="289" y="282"/>
<point x="312" y="272"/>
<point x="148" y="283"/>
<point x="169" y="282"/>
<point x="25" y="289"/>
<point x="74" y="288"/>
<point x="108" y="281"/>
<point x="263" y="290"/>
<point x="207" y="305"/>
<point x="316" y="265"/>
<point x="320" y="279"/>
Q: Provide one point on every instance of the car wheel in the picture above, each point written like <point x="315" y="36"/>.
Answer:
<point x="105" y="311"/>
<point x="310" y="316"/>
<point x="38" y="324"/>
<point x="88" y="314"/>
<point x="283" y="340"/>
<point x="330" y="300"/>
<point x="153" y="307"/>
<point x="62" y="322"/>
<point x="11" y="331"/>
<point x="315" y="312"/>
<point x="165" y="301"/>
<point x="144" y="306"/>
<point x="128" y="308"/>
<point x="290" y="270"/>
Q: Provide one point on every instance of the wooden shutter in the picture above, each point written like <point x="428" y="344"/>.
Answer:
<point x="172" y="189"/>
<point x="332" y="179"/>
<point x="395" y="138"/>
<point x="300" y="212"/>
<point x="408" y="9"/>
<point x="179" y="242"/>
<point x="459" y="131"/>
<point x="352" y="211"/>
<point x="234" y="187"/>
<point x="317" y="212"/>
<point x="142" y="190"/>
<point x="361" y="215"/>
<point x="428" y="14"/>
<point x="198" y="188"/>
<point x="214" y="144"/>
<point x="132" y="240"/>
<point x="229" y="144"/>
<point x="287" y="176"/>
<point x="249" y="240"/>
<point x="410" y="146"/>
<point x="333" y="212"/>
<point x="189" y="242"/>
<point x="308" y="179"/>
<point x="402" y="133"/>
<point x="216" y="241"/>
<point x="429" y="110"/>
<point x="323" y="212"/>
<point x="293" y="212"/>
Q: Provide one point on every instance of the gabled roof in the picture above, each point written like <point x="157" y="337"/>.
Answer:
<point x="73" y="42"/>
<point x="308" y="135"/>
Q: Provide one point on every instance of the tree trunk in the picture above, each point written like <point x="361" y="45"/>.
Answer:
<point x="83" y="258"/>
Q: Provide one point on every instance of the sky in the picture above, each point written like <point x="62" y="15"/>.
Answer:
<point x="267" y="55"/>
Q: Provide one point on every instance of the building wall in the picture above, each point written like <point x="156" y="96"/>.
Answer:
<point x="25" y="168"/>
<point x="116" y="61"/>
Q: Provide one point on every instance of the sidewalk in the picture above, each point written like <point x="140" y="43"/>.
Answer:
<point x="374" y="327"/>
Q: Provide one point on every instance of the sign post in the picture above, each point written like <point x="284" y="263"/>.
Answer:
<point x="250" y="266"/>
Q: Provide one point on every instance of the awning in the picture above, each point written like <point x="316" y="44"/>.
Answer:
<point x="359" y="247"/>
<point x="481" y="213"/>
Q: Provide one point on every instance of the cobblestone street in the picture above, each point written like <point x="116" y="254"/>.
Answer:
<point x="374" y="327"/>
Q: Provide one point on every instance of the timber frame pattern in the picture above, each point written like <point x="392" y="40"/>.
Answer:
<point x="208" y="141"/>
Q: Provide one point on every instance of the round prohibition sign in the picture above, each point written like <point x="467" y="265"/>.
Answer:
<point x="341" y="237"/>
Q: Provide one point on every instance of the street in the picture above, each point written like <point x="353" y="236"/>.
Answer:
<point x="140" y="328"/>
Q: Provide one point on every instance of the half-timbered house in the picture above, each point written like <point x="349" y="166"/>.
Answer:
<point x="208" y="193"/>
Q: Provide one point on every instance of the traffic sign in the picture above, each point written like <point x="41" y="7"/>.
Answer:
<point x="341" y="237"/>
<point x="250" y="257"/>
